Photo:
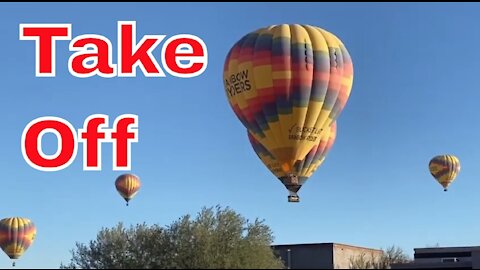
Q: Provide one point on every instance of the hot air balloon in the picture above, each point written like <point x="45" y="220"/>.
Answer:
<point x="444" y="168"/>
<point x="287" y="84"/>
<point x="16" y="236"/>
<point x="302" y="169"/>
<point x="128" y="186"/>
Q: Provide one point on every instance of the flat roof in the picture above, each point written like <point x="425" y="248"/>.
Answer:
<point x="327" y="244"/>
<point x="446" y="249"/>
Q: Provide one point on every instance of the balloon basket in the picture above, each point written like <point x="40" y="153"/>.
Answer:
<point x="292" y="198"/>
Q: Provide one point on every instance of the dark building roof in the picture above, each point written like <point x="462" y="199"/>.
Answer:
<point x="443" y="249"/>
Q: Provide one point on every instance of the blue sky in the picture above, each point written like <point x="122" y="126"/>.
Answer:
<point x="415" y="95"/>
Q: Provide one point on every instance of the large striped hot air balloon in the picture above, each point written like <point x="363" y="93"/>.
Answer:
<point x="303" y="169"/>
<point x="444" y="168"/>
<point x="287" y="84"/>
<point x="16" y="236"/>
<point x="128" y="186"/>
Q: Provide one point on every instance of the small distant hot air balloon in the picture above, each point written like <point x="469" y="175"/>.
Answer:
<point x="444" y="168"/>
<point x="128" y="186"/>
<point x="302" y="169"/>
<point x="287" y="84"/>
<point x="16" y="236"/>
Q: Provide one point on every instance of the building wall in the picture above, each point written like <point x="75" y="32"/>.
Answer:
<point x="429" y="258"/>
<point x="476" y="259"/>
<point x="314" y="256"/>
<point x="458" y="265"/>
<point x="439" y="260"/>
<point x="435" y="256"/>
<point x="342" y="254"/>
<point x="321" y="256"/>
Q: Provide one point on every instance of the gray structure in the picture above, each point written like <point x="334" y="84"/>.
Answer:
<point x="443" y="258"/>
<point x="321" y="256"/>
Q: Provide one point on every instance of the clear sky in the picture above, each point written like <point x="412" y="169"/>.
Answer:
<point x="415" y="95"/>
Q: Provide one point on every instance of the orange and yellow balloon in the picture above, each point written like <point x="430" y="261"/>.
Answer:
<point x="128" y="186"/>
<point x="444" y="168"/>
<point x="287" y="84"/>
<point x="16" y="236"/>
<point x="302" y="169"/>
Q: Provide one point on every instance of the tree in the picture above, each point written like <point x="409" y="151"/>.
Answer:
<point x="391" y="255"/>
<point x="216" y="238"/>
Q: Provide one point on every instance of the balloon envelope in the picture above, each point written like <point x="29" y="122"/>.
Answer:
<point x="286" y="84"/>
<point x="16" y="236"/>
<point x="444" y="168"/>
<point x="128" y="186"/>
<point x="302" y="169"/>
